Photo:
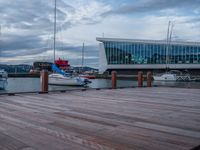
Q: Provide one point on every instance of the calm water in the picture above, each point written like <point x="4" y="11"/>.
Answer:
<point x="33" y="84"/>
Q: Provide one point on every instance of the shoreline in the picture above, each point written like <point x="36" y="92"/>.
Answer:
<point x="97" y="76"/>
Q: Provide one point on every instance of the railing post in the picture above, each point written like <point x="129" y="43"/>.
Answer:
<point x="140" y="79"/>
<point x="114" y="79"/>
<point x="149" y="79"/>
<point x="44" y="79"/>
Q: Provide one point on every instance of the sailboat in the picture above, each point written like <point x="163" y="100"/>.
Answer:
<point x="3" y="76"/>
<point x="83" y="75"/>
<point x="60" y="77"/>
<point x="173" y="75"/>
<point x="168" y="75"/>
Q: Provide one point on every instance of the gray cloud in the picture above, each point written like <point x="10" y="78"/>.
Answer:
<point x="27" y="26"/>
<point x="24" y="23"/>
<point x="89" y="51"/>
<point x="156" y="5"/>
<point x="90" y="55"/>
<point x="194" y="20"/>
<point x="17" y="42"/>
<point x="37" y="13"/>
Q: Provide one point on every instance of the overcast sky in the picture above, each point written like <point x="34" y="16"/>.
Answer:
<point x="27" y="26"/>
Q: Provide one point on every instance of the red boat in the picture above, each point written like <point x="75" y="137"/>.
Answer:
<point x="62" y="64"/>
<point x="87" y="76"/>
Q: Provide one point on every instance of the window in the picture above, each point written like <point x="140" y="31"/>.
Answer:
<point x="144" y="53"/>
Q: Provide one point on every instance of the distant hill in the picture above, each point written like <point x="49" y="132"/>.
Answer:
<point x="77" y="69"/>
<point x="22" y="68"/>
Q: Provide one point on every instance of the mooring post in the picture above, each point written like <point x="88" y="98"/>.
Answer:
<point x="140" y="79"/>
<point x="149" y="79"/>
<point x="114" y="79"/>
<point x="44" y="79"/>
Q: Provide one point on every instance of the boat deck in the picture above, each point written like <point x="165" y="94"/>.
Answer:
<point x="122" y="119"/>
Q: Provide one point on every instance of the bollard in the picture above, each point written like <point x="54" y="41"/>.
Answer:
<point x="44" y="81"/>
<point x="114" y="79"/>
<point x="149" y="79"/>
<point x="140" y="79"/>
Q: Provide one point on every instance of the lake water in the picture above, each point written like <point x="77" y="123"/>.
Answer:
<point x="33" y="84"/>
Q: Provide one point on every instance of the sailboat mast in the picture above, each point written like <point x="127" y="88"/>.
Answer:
<point x="83" y="55"/>
<point x="167" y="45"/>
<point x="54" y="41"/>
<point x="0" y="39"/>
<point x="171" y="32"/>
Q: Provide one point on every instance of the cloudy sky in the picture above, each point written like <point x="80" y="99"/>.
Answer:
<point x="27" y="26"/>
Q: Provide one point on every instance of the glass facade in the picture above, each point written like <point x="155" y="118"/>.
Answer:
<point x="148" y="53"/>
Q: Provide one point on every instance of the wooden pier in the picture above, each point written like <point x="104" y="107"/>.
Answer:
<point x="121" y="119"/>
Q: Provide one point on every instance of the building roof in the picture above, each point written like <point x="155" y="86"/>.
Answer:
<point x="147" y="41"/>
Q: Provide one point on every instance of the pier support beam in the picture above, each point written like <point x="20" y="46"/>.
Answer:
<point x="140" y="79"/>
<point x="114" y="79"/>
<point x="149" y="79"/>
<point x="44" y="79"/>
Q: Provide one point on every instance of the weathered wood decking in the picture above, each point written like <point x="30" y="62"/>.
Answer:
<point x="123" y="119"/>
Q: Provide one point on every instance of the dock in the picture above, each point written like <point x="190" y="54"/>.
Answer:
<point x="122" y="119"/>
<point x="23" y="75"/>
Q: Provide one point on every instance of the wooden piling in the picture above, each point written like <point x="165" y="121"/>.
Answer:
<point x="44" y="81"/>
<point x="149" y="79"/>
<point x="140" y="79"/>
<point x="114" y="79"/>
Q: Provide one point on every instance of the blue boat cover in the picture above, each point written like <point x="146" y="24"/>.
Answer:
<point x="57" y="70"/>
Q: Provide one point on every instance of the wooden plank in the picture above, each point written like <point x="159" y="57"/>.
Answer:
<point x="122" y="119"/>
<point x="9" y="143"/>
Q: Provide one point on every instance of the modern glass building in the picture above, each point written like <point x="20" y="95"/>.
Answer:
<point x="120" y="54"/>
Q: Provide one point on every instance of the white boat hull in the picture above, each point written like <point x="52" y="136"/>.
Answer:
<point x="56" y="79"/>
<point x="3" y="84"/>
<point x="165" y="77"/>
<point x="63" y="82"/>
<point x="173" y="75"/>
<point x="3" y="79"/>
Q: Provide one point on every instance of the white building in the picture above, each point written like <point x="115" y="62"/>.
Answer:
<point x="131" y="54"/>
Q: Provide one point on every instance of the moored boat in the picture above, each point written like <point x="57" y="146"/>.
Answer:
<point x="66" y="79"/>
<point x="165" y="77"/>
<point x="173" y="75"/>
<point x="3" y="79"/>
<point x="87" y="76"/>
<point x="59" y="79"/>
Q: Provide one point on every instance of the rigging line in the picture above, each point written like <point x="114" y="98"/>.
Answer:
<point x="167" y="45"/>
<point x="170" y="37"/>
<point x="171" y="32"/>
<point x="0" y="39"/>
<point x="54" y="45"/>
<point x="48" y="46"/>
<point x="61" y="42"/>
<point x="83" y="51"/>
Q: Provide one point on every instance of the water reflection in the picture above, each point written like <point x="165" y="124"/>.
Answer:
<point x="177" y="84"/>
<point x="33" y="84"/>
